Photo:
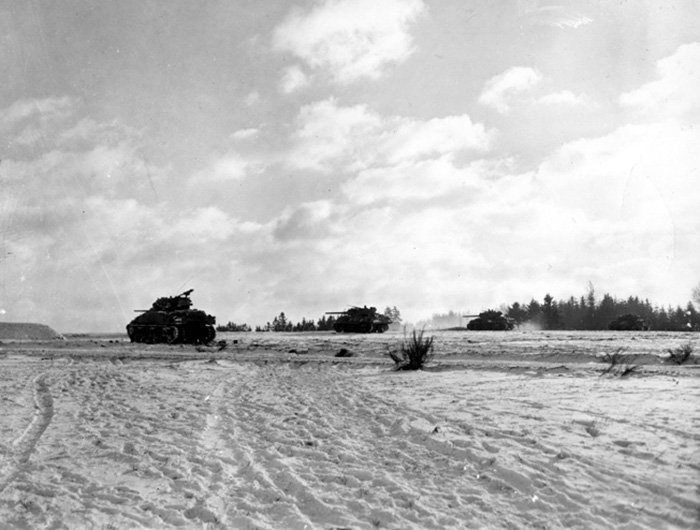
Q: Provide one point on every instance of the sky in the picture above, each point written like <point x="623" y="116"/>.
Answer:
<point x="307" y="156"/>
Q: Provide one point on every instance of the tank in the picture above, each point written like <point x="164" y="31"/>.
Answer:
<point x="172" y="320"/>
<point x="360" y="320"/>
<point x="628" y="322"/>
<point x="490" y="320"/>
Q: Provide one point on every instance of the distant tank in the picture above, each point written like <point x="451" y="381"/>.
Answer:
<point x="170" y="320"/>
<point x="628" y="322"/>
<point x="490" y="320"/>
<point x="360" y="320"/>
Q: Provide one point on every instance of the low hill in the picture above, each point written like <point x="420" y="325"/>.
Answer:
<point x="27" y="331"/>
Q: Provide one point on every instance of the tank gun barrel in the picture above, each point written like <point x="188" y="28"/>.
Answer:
<point x="186" y="293"/>
<point x="336" y="312"/>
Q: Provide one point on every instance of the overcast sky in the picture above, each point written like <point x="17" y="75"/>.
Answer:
<point x="306" y="156"/>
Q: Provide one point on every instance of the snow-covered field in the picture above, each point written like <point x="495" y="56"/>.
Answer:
<point x="503" y="430"/>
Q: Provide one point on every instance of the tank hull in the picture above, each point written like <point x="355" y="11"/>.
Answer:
<point x="491" y="320"/>
<point x="360" y="327"/>
<point x="182" y="334"/>
<point x="479" y="324"/>
<point x="180" y="326"/>
<point x="360" y="320"/>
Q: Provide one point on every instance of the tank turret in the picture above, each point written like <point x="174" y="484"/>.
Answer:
<point x="171" y="320"/>
<point x="360" y="320"/>
<point x="490" y="320"/>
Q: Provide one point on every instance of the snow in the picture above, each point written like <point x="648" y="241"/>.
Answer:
<point x="502" y="430"/>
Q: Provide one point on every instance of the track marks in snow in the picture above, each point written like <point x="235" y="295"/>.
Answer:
<point x="255" y="444"/>
<point x="23" y="446"/>
<point x="312" y="446"/>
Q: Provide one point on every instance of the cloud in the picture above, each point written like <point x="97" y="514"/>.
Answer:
<point x="561" y="17"/>
<point x="676" y="92"/>
<point x="597" y="175"/>
<point x="618" y="209"/>
<point x="564" y="98"/>
<point x="309" y="220"/>
<point x="45" y="109"/>
<point x="351" y="39"/>
<point x="252" y="99"/>
<point x="327" y="132"/>
<point x="228" y="167"/>
<point x="83" y="226"/>
<point x="424" y="180"/>
<point x="330" y="136"/>
<point x="293" y="78"/>
<point x="207" y="223"/>
<point x="245" y="134"/>
<point x="501" y="90"/>
<point x="630" y="201"/>
<point x="409" y="139"/>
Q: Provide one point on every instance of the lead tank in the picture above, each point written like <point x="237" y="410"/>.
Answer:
<point x="171" y="320"/>
<point x="490" y="320"/>
<point x="360" y="320"/>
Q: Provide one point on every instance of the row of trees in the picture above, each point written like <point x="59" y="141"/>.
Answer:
<point x="584" y="313"/>
<point x="282" y="323"/>
<point x="589" y="313"/>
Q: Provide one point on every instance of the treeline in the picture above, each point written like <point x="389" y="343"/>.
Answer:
<point x="589" y="313"/>
<point x="584" y="313"/>
<point x="232" y="326"/>
<point x="282" y="323"/>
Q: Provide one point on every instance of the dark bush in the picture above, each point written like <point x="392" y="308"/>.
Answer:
<point x="415" y="352"/>
<point x="618" y="364"/>
<point x="681" y="354"/>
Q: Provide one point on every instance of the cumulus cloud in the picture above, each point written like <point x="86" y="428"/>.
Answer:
<point x="677" y="89"/>
<point x="564" y="98"/>
<point x="228" y="167"/>
<point x="351" y="39"/>
<point x="293" y="78"/>
<point x="330" y="136"/>
<point x="44" y="109"/>
<point x="252" y="99"/>
<point x="410" y="139"/>
<point x="424" y="180"/>
<point x="630" y="198"/>
<point x="83" y="226"/>
<point x="245" y="134"/>
<point x="562" y="17"/>
<point x="327" y="132"/>
<point x="500" y="91"/>
<point x="618" y="209"/>
<point x="309" y="220"/>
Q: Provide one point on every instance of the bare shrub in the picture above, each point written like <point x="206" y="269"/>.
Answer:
<point x="627" y="369"/>
<point x="414" y="353"/>
<point x="618" y="364"/>
<point x="613" y="360"/>
<point x="681" y="354"/>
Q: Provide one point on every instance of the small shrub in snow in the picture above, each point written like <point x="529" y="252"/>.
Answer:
<point x="681" y="354"/>
<point x="618" y="364"/>
<point x="415" y="352"/>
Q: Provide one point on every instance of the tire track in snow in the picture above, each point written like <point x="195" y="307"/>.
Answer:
<point x="307" y="446"/>
<point x="23" y="446"/>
